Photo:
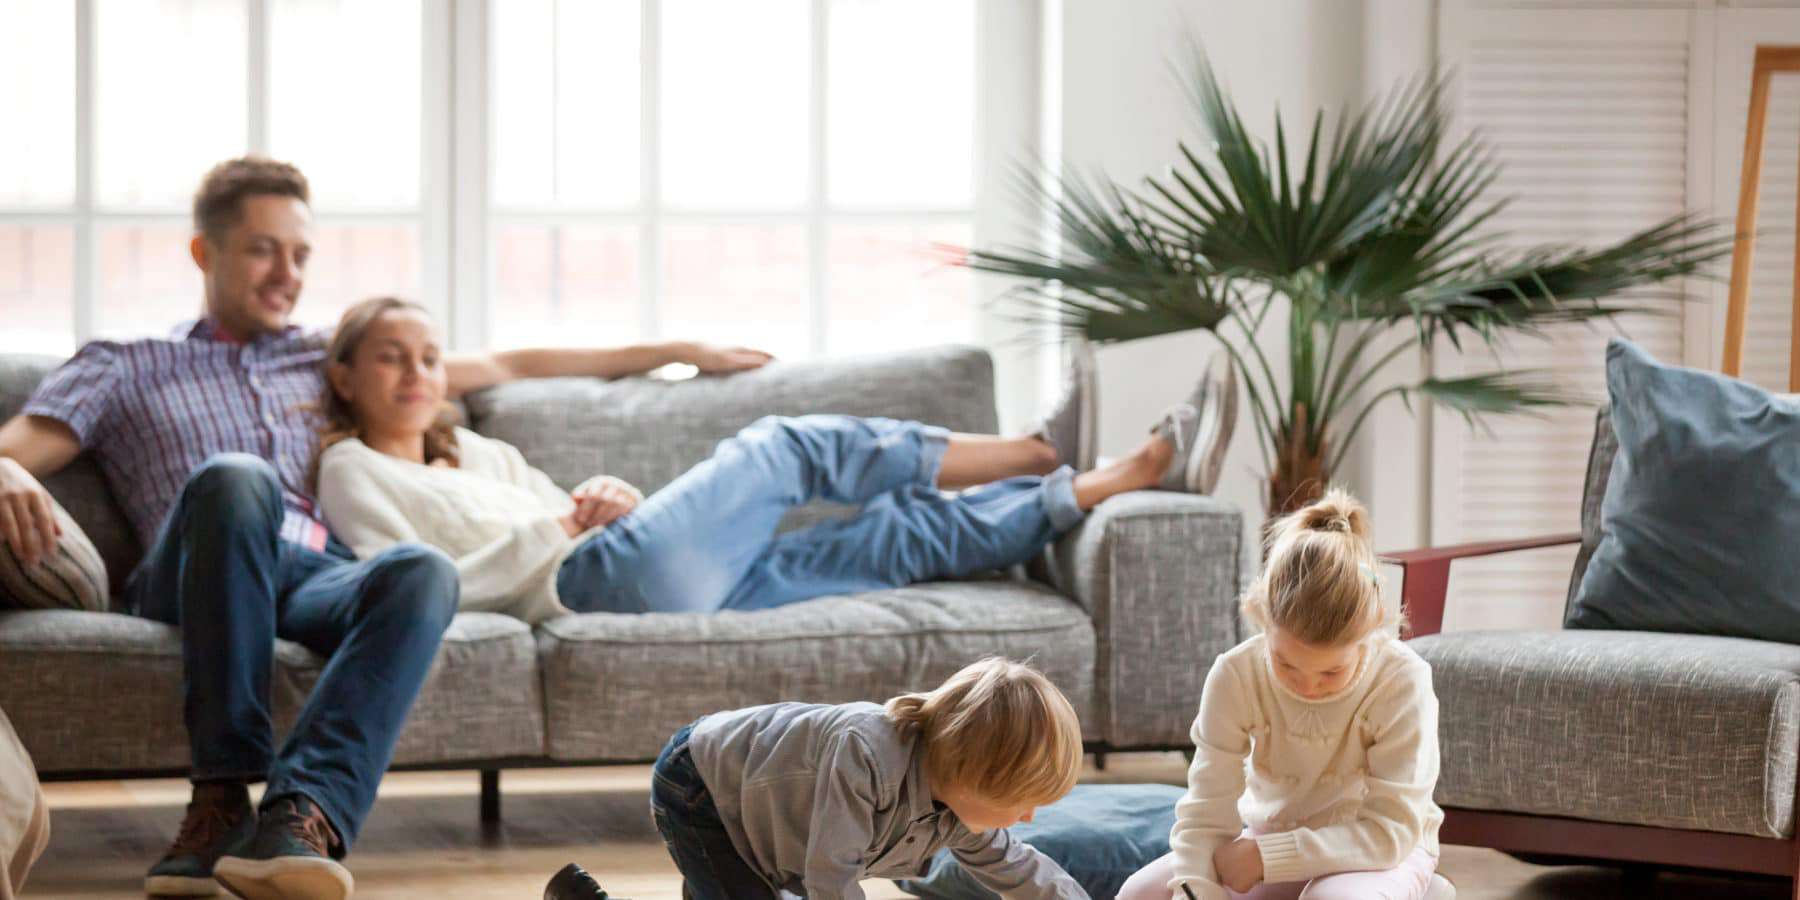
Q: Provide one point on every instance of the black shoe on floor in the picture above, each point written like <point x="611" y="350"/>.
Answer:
<point x="219" y="819"/>
<point x="574" y="883"/>
<point x="290" y="858"/>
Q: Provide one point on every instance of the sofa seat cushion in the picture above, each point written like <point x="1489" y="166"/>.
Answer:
<point x="103" y="691"/>
<point x="618" y="685"/>
<point x="1665" y="730"/>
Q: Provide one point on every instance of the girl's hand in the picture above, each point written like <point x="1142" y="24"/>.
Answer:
<point x="602" y="500"/>
<point x="1239" y="864"/>
<point x="570" y="526"/>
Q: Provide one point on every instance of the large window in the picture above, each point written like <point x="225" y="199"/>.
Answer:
<point x="771" y="173"/>
<point x="116" y="108"/>
<point x="543" y="171"/>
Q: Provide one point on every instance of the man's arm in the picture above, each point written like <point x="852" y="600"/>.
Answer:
<point x="31" y="447"/>
<point x="472" y="372"/>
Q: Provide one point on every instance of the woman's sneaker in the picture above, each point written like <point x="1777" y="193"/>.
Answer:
<point x="219" y="818"/>
<point x="1072" y="427"/>
<point x="574" y="883"/>
<point x="1200" y="429"/>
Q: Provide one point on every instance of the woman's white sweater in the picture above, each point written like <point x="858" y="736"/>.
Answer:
<point x="1337" y="784"/>
<point x="494" y="514"/>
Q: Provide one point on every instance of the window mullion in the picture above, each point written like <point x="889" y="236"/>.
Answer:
<point x="437" y="184"/>
<point x="819" y="271"/>
<point x="257" y="78"/>
<point x="471" y="176"/>
<point x="650" y="239"/>
<point x="87" y="266"/>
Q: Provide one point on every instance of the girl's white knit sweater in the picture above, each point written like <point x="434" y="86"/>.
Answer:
<point x="1337" y="784"/>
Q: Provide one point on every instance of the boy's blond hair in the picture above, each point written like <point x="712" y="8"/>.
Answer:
<point x="998" y="729"/>
<point x="1318" y="585"/>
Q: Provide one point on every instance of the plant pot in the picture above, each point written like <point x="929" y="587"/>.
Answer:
<point x="1297" y="479"/>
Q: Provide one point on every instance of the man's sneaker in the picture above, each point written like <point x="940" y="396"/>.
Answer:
<point x="289" y="858"/>
<point x="1072" y="427"/>
<point x="219" y="818"/>
<point x="1200" y="429"/>
<point x="574" y="883"/>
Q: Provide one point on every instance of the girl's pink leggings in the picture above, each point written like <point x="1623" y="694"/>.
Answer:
<point x="1407" y="881"/>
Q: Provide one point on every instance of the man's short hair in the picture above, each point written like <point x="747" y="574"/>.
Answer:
<point x="219" y="203"/>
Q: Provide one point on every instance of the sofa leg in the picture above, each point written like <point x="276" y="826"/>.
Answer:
<point x="490" y="796"/>
<point x="1099" y="760"/>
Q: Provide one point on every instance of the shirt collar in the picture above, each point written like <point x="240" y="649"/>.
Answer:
<point x="208" y="330"/>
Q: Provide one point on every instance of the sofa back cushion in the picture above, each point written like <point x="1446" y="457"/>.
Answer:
<point x="644" y="430"/>
<point x="647" y="430"/>
<point x="1700" y="507"/>
<point x="79" y="487"/>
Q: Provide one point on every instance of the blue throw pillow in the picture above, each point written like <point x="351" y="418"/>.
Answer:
<point x="1700" y="524"/>
<point x="1100" y="834"/>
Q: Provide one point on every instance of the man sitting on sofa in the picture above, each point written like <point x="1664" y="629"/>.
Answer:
<point x="205" y="438"/>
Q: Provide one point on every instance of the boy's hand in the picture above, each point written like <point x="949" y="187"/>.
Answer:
<point x="1239" y="864"/>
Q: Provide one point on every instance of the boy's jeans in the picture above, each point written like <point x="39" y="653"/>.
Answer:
<point x="710" y="866"/>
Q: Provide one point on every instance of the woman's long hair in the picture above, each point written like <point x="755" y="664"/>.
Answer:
<point x="337" y="421"/>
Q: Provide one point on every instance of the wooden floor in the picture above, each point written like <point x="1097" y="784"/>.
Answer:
<point x="423" y="840"/>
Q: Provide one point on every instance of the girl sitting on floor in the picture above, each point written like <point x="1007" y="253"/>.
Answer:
<point x="1336" y="718"/>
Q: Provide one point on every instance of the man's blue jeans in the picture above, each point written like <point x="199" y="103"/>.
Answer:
<point x="707" y="541"/>
<point x="219" y="571"/>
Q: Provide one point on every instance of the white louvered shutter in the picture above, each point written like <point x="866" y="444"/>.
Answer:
<point x="1588" y="110"/>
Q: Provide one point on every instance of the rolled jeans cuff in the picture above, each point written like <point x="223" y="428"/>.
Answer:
<point x="1059" y="500"/>
<point x="934" y="441"/>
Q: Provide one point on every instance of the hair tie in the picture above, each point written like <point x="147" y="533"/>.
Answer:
<point x="1369" y="571"/>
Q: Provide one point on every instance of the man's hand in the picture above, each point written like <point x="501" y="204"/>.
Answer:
<point x="27" y="515"/>
<point x="715" y="360"/>
<point x="1239" y="864"/>
<point x="473" y="372"/>
<point x="602" y="500"/>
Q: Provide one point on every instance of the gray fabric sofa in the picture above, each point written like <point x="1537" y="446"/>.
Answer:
<point x="1125" y="613"/>
<point x="1635" y="747"/>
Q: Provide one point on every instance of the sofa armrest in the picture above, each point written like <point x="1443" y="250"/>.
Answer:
<point x="1425" y="575"/>
<point x="1160" y="574"/>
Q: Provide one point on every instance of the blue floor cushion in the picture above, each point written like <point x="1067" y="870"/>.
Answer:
<point x="1100" y="834"/>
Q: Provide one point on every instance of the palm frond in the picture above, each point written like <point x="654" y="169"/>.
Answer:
<point x="1372" y="224"/>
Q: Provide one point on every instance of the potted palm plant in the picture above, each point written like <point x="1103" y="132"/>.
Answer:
<point x="1371" y="242"/>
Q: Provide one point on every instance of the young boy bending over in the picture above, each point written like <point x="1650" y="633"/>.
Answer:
<point x="811" y="799"/>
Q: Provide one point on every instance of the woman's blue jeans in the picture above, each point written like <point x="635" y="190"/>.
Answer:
<point x="708" y="540"/>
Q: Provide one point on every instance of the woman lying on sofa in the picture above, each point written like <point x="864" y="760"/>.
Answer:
<point x="388" y="472"/>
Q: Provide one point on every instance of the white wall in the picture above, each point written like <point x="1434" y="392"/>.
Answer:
<point x="1123" y="111"/>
